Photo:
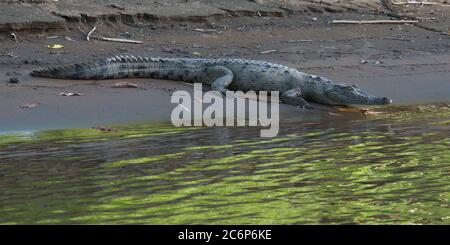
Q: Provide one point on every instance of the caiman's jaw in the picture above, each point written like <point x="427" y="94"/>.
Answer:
<point x="340" y="94"/>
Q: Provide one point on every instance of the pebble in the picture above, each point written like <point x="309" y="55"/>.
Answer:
<point x="14" y="80"/>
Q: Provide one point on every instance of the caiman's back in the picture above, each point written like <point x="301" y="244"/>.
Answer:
<point x="247" y="74"/>
<point x="258" y="75"/>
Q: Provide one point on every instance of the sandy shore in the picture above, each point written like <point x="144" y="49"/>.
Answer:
<point x="406" y="62"/>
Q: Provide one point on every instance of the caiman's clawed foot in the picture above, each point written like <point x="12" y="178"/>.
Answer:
<point x="294" y="97"/>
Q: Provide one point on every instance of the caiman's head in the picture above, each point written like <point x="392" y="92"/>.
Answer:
<point x="342" y="94"/>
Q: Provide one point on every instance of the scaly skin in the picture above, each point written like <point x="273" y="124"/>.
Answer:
<point x="295" y="87"/>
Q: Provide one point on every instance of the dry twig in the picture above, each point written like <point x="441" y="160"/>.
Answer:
<point x="375" y="21"/>
<point x="88" y="36"/>
<point x="421" y="3"/>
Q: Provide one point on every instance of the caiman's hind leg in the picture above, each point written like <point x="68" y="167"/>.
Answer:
<point x="294" y="97"/>
<point x="222" y="77"/>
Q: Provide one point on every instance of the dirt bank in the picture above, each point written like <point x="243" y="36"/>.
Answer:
<point x="26" y="15"/>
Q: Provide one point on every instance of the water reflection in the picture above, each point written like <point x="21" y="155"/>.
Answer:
<point x="393" y="168"/>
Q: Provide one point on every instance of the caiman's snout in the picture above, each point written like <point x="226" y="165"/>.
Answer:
<point x="386" y="101"/>
<point x="342" y="94"/>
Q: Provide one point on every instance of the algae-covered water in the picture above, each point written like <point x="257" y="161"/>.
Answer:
<point x="392" y="168"/>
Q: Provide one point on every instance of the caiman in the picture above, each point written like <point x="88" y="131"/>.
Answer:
<point x="295" y="87"/>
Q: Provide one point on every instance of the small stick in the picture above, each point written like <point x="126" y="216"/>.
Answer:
<point x="119" y="40"/>
<point x="374" y="21"/>
<point x="395" y="38"/>
<point x="109" y="39"/>
<point x="298" y="41"/>
<point x="421" y="3"/>
<point x="206" y="30"/>
<point x="426" y="18"/>
<point x="268" y="51"/>
<point x="88" y="36"/>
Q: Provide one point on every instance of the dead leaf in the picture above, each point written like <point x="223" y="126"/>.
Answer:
<point x="125" y="85"/>
<point x="348" y="109"/>
<point x="55" y="46"/>
<point x="368" y="112"/>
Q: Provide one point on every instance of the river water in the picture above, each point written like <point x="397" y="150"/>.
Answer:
<point x="390" y="168"/>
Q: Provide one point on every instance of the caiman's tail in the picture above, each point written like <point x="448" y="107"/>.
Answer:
<point x="121" y="66"/>
<point x="78" y="71"/>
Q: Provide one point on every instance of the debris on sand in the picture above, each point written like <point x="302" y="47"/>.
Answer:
<point x="299" y="41"/>
<point x="119" y="40"/>
<point x="55" y="46"/>
<point x="126" y="35"/>
<point x="29" y="105"/>
<point x="268" y="51"/>
<point x="370" y="112"/>
<point x="375" y="21"/>
<point x="69" y="39"/>
<point x="115" y="6"/>
<point x="10" y="54"/>
<point x="13" y="36"/>
<point x="125" y="85"/>
<point x="348" y="109"/>
<point x="206" y="30"/>
<point x="71" y="94"/>
<point x="108" y="39"/>
<point x="104" y="128"/>
<point x="13" y="80"/>
<point x="422" y="3"/>
<point x="88" y="36"/>
<point x="335" y="114"/>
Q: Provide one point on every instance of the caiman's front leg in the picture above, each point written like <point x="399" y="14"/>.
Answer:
<point x="222" y="77"/>
<point x="294" y="97"/>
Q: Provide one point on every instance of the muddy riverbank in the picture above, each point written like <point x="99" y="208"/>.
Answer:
<point x="406" y="62"/>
